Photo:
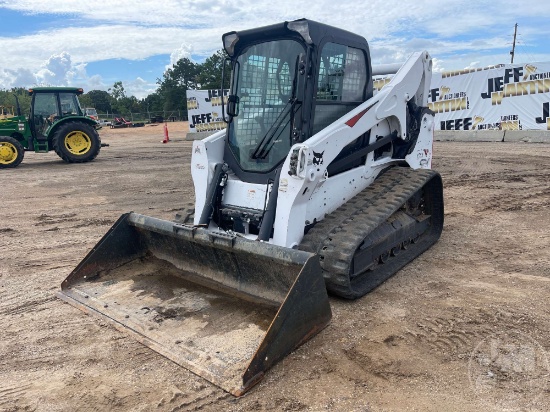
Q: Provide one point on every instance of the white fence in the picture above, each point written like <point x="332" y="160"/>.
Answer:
<point x="503" y="97"/>
<point x="205" y="111"/>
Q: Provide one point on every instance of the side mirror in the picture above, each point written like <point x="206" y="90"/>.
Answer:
<point x="232" y="105"/>
<point x="232" y="99"/>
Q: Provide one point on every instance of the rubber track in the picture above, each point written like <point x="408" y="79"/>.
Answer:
<point x="337" y="237"/>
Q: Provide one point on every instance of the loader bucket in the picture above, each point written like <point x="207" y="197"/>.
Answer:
<point x="224" y="307"/>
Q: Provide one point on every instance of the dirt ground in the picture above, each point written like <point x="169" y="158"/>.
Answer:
<point x="465" y="327"/>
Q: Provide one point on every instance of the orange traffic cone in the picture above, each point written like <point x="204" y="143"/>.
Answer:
<point x="166" y="138"/>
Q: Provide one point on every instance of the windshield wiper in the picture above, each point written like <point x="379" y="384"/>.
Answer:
<point x="264" y="146"/>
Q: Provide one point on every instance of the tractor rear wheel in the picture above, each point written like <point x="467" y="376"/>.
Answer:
<point x="76" y="142"/>
<point x="11" y="152"/>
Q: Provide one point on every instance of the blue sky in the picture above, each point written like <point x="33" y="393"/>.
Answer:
<point x="92" y="44"/>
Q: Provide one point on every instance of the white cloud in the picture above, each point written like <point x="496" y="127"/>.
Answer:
<point x="95" y="82"/>
<point x="56" y="70"/>
<point x="181" y="52"/>
<point x="139" y="88"/>
<point x="456" y="32"/>
<point x="17" y="77"/>
<point x="472" y="65"/>
<point x="90" y="44"/>
<point x="437" y="65"/>
<point x="376" y="19"/>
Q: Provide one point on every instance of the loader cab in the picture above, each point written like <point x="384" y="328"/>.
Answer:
<point x="289" y="81"/>
<point x="91" y="113"/>
<point x="49" y="105"/>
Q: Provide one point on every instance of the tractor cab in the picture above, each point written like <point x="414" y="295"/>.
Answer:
<point x="289" y="81"/>
<point x="49" y="106"/>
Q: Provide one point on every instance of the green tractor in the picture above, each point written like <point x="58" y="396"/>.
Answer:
<point x="56" y="122"/>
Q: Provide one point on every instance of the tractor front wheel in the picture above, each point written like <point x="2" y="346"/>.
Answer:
<point x="11" y="152"/>
<point x="76" y="142"/>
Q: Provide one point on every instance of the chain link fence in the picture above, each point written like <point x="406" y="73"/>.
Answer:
<point x="147" y="117"/>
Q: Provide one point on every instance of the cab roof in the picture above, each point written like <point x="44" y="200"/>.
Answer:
<point x="75" y="90"/>
<point x="317" y="33"/>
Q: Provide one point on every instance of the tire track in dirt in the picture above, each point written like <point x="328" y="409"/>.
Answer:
<point x="442" y="335"/>
<point x="9" y="396"/>
<point x="202" y="397"/>
<point x="533" y="199"/>
<point x="46" y="219"/>
<point x="15" y="295"/>
<point x="27" y="307"/>
<point x="143" y="354"/>
<point x="457" y="335"/>
<point x="415" y="355"/>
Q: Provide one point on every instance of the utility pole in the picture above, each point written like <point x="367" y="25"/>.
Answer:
<point x="514" y="44"/>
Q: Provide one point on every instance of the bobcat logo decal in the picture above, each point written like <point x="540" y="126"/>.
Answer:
<point x="318" y="158"/>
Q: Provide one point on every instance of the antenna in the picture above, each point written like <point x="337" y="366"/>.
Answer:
<point x="514" y="44"/>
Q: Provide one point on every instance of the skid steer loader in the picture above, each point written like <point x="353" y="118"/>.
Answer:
<point x="316" y="184"/>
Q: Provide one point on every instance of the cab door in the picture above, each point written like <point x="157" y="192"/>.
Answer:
<point x="44" y="112"/>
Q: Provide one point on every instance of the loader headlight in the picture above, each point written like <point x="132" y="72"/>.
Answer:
<point x="301" y="27"/>
<point x="229" y="41"/>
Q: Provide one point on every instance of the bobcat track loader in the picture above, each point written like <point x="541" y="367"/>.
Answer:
<point x="316" y="184"/>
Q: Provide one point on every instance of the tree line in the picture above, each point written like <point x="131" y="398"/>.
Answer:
<point x="170" y="95"/>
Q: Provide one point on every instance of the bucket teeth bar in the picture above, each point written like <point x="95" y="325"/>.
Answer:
<point x="225" y="307"/>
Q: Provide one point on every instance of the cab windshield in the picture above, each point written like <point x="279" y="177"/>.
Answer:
<point x="260" y="136"/>
<point x="70" y="106"/>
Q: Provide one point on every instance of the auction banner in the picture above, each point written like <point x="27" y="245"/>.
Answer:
<point x="204" y="110"/>
<point x="503" y="97"/>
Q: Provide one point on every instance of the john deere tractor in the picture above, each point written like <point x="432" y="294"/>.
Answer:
<point x="55" y="122"/>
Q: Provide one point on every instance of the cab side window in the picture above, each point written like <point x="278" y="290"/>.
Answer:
<point x="342" y="74"/>
<point x="340" y="83"/>
<point x="69" y="104"/>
